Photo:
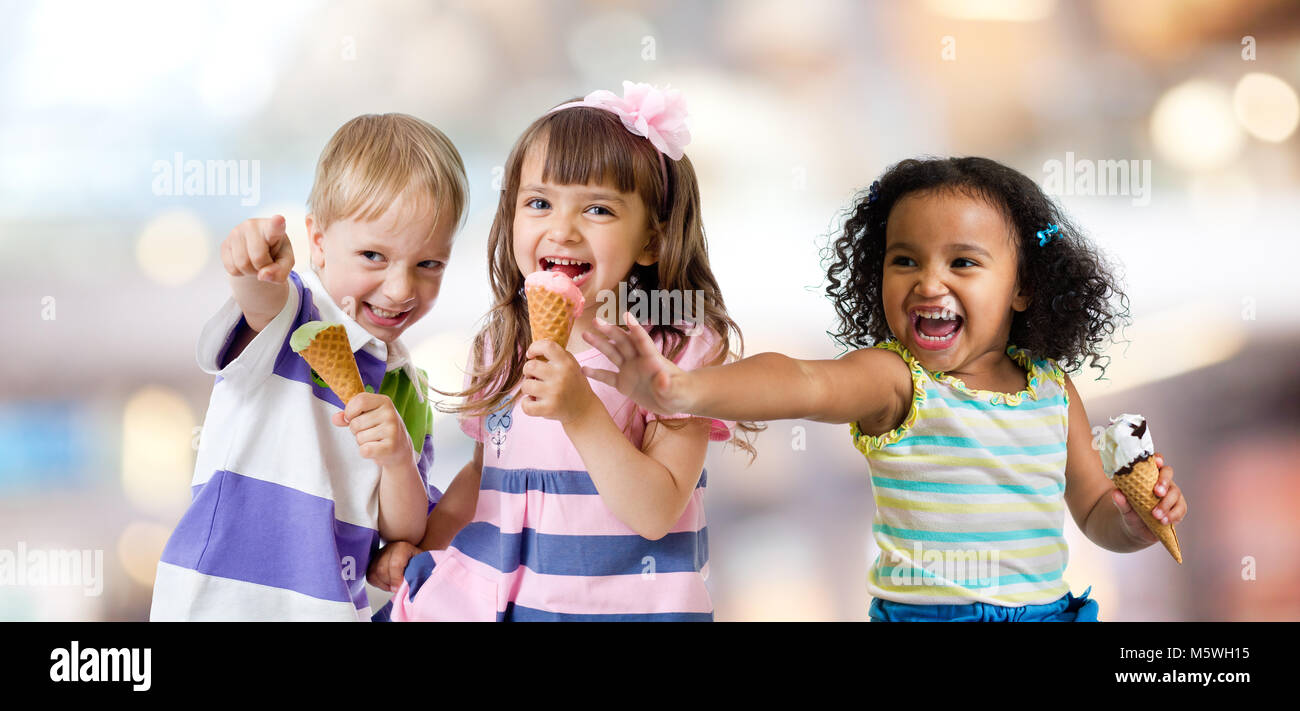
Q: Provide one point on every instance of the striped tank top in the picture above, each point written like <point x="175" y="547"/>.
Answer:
<point x="969" y="490"/>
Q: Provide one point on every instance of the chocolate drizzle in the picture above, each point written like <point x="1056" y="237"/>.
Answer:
<point x="1139" y="430"/>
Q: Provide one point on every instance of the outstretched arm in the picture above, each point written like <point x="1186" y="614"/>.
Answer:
<point x="258" y="257"/>
<point x="868" y="386"/>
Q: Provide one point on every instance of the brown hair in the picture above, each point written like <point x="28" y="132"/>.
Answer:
<point x="373" y="159"/>
<point x="587" y="145"/>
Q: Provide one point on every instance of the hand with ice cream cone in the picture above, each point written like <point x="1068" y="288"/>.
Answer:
<point x="373" y="418"/>
<point x="554" y="386"/>
<point x="1145" y="492"/>
<point x="381" y="434"/>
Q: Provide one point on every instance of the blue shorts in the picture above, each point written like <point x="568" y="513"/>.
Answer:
<point x="1067" y="609"/>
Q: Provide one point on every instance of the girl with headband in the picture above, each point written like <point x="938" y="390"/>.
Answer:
<point x="579" y="504"/>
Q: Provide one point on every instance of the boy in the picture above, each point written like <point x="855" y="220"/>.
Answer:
<point x="292" y="492"/>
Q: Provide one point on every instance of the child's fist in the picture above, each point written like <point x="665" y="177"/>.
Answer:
<point x="259" y="248"/>
<point x="554" y="386"/>
<point x="379" y="430"/>
<point x="387" y="569"/>
<point x="1171" y="508"/>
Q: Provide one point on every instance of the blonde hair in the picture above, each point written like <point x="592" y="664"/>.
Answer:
<point x="586" y="145"/>
<point x="374" y="159"/>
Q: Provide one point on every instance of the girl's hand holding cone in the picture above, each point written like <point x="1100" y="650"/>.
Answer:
<point x="554" y="386"/>
<point x="1171" y="509"/>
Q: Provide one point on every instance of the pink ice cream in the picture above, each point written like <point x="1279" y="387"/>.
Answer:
<point x="557" y="283"/>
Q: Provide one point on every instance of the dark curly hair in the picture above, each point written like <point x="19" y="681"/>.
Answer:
<point x="1075" y="301"/>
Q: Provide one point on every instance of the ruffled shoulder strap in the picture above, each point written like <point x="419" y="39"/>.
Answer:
<point x="865" y="443"/>
<point x="1052" y="370"/>
<point x="1047" y="369"/>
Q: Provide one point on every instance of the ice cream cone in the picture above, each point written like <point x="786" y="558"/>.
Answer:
<point x="554" y="302"/>
<point x="550" y="315"/>
<point x="1138" y="487"/>
<point x="330" y="355"/>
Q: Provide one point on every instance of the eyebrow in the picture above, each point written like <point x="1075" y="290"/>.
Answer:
<point x="958" y="247"/>
<point x="587" y="195"/>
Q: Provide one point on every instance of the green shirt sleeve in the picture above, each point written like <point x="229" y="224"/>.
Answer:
<point x="415" y="413"/>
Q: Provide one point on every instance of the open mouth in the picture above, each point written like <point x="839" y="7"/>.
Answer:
<point x="384" y="317"/>
<point x="575" y="269"/>
<point x="936" y="329"/>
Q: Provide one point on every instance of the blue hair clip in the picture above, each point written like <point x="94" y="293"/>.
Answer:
<point x="873" y="194"/>
<point x="1045" y="236"/>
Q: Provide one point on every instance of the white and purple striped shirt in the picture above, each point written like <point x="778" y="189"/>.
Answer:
<point x="285" y="512"/>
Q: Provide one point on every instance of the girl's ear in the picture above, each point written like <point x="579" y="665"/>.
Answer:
<point x="650" y="253"/>
<point x="1020" y="299"/>
<point x="316" y="240"/>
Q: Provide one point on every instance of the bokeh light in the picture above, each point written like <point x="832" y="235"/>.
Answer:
<point x="173" y="248"/>
<point x="1266" y="106"/>
<point x="999" y="10"/>
<point x="158" y="445"/>
<point x="139" y="548"/>
<point x="1193" y="126"/>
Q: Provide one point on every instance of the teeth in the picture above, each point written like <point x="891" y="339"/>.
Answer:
<point x="385" y="314"/>
<point x="945" y="314"/>
<point x="558" y="260"/>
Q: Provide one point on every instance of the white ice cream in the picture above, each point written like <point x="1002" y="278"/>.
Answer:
<point x="1120" y="447"/>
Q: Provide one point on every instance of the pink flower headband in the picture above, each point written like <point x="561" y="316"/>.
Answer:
<point x="655" y="114"/>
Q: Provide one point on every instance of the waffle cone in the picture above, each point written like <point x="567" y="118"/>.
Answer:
<point x="1138" y="487"/>
<point x="550" y="316"/>
<point x="330" y="355"/>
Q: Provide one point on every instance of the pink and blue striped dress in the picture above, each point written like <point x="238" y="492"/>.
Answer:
<point x="543" y="546"/>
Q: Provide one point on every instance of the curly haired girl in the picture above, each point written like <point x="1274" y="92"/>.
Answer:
<point x="966" y="294"/>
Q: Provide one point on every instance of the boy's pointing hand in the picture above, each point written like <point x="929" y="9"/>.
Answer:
<point x="258" y="247"/>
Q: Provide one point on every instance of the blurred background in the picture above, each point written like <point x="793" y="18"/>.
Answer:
<point x="110" y="266"/>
